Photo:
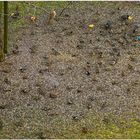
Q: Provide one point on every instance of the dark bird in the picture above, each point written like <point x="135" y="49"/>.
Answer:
<point x="15" y="15"/>
<point x="135" y="28"/>
<point x="108" y="25"/>
<point x="124" y="17"/>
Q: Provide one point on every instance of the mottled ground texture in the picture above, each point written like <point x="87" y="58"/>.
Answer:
<point x="68" y="81"/>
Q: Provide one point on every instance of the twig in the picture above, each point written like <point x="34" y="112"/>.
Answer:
<point x="65" y="8"/>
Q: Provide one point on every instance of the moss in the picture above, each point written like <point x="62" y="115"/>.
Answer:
<point x="96" y="128"/>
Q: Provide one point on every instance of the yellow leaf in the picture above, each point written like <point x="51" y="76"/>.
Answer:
<point x="33" y="18"/>
<point x="130" y="17"/>
<point x="91" y="25"/>
<point x="12" y="14"/>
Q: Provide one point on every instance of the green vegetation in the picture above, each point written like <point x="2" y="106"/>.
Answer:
<point x="36" y="9"/>
<point x="107" y="128"/>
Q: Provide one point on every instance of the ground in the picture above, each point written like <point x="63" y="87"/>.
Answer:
<point x="67" y="80"/>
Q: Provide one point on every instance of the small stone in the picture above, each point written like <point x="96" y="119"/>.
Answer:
<point x="100" y="88"/>
<point x="69" y="33"/>
<point x="114" y="82"/>
<point x="55" y="52"/>
<point x="15" y="46"/>
<point x="106" y="120"/>
<point x="124" y="17"/>
<point x="130" y="67"/>
<point x="128" y="90"/>
<point x="54" y="95"/>
<point x="6" y="70"/>
<point x="18" y="123"/>
<point x="89" y="106"/>
<point x="132" y="59"/>
<point x="98" y="39"/>
<point x="69" y="88"/>
<point x="103" y="105"/>
<point x="41" y="135"/>
<point x="22" y="68"/>
<point x="119" y="8"/>
<point x="45" y="57"/>
<point x="134" y="83"/>
<point x="67" y="15"/>
<point x="43" y="70"/>
<point x="25" y="90"/>
<point x="82" y="41"/>
<point x="36" y="98"/>
<point x="112" y="62"/>
<point x="61" y="73"/>
<point x="1" y="124"/>
<point x="32" y="33"/>
<point x="100" y="63"/>
<point x="108" y="25"/>
<point x="1" y="89"/>
<point x="7" y="81"/>
<point x="123" y="74"/>
<point x="84" y="130"/>
<point x="87" y="73"/>
<point x="102" y="33"/>
<point x="91" y="98"/>
<point x="94" y="79"/>
<point x="112" y="12"/>
<point x="79" y="91"/>
<point x="97" y="70"/>
<point x="115" y="50"/>
<point x="73" y="55"/>
<point x="41" y="91"/>
<point x="25" y="77"/>
<point x="70" y="101"/>
<point x="33" y="49"/>
<point x="81" y="46"/>
<point x="46" y="108"/>
<point x="135" y="28"/>
<point x="3" y="106"/>
<point x="120" y="40"/>
<point x="7" y="90"/>
<point x="76" y="118"/>
<point x="15" y="51"/>
<point x="88" y="64"/>
<point x="100" y="54"/>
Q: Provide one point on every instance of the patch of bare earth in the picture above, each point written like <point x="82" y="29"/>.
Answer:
<point x="65" y="71"/>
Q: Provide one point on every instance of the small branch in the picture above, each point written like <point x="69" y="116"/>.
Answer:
<point x="65" y="8"/>
<point x="5" y="26"/>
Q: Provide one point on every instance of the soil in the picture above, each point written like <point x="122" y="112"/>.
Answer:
<point x="56" y="75"/>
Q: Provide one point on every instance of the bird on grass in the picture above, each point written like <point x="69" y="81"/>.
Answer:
<point x="15" y="14"/>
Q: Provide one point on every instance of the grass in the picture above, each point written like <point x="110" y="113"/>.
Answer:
<point x="89" y="127"/>
<point x="28" y="10"/>
<point x="98" y="129"/>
